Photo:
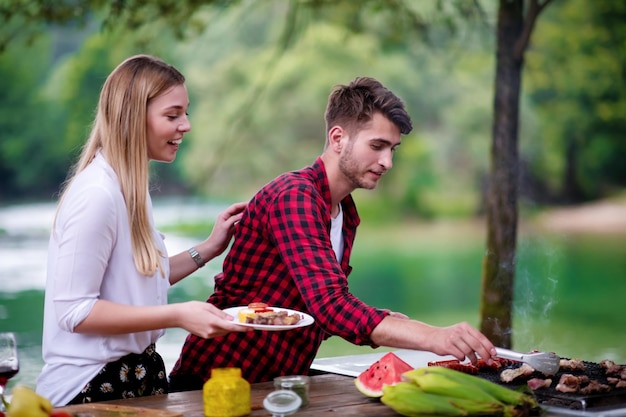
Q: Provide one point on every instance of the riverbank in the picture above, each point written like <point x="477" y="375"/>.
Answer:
<point x="428" y="269"/>
<point x="603" y="217"/>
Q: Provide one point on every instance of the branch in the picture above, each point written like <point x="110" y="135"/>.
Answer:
<point x="289" y="32"/>
<point x="533" y="12"/>
<point x="415" y="19"/>
<point x="481" y="12"/>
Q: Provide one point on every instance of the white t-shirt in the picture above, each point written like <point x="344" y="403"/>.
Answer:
<point x="336" y="237"/>
<point x="90" y="258"/>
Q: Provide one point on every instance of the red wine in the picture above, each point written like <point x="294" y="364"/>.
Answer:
<point x="7" y="371"/>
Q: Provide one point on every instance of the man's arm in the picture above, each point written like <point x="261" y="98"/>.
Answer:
<point x="460" y="340"/>
<point x="298" y="223"/>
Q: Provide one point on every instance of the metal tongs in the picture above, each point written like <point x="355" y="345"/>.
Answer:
<point x="548" y="363"/>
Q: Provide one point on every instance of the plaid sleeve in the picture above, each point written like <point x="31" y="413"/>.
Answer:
<point x="300" y="226"/>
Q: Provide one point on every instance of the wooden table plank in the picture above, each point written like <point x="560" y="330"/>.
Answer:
<point x="330" y="395"/>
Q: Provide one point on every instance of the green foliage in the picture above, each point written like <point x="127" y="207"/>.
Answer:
<point x="28" y="145"/>
<point x="29" y="19"/>
<point x="261" y="108"/>
<point x="576" y="81"/>
<point x="195" y="229"/>
<point x="62" y="99"/>
<point x="259" y="74"/>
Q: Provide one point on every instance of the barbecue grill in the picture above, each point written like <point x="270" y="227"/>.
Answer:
<point x="611" y="403"/>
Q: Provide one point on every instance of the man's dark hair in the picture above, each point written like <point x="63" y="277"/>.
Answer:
<point x="353" y="105"/>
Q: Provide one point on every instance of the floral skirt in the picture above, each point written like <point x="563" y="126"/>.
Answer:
<point x="134" y="375"/>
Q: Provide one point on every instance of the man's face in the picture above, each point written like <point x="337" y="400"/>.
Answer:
<point x="368" y="154"/>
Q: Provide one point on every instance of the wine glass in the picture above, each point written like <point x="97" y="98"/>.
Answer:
<point x="9" y="364"/>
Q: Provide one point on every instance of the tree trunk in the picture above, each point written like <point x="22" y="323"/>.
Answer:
<point x="572" y="190"/>
<point x="502" y="210"/>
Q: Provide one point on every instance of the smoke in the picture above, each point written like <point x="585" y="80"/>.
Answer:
<point x="539" y="261"/>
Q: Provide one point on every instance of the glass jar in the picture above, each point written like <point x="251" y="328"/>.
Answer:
<point x="226" y="394"/>
<point x="297" y="383"/>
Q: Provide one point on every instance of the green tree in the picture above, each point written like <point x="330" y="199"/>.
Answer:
<point x="29" y="152"/>
<point x="436" y="174"/>
<point x="369" y="20"/>
<point x="577" y="83"/>
<point x="395" y="28"/>
<point x="515" y="26"/>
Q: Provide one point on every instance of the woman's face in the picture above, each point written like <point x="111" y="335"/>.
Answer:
<point x="167" y="123"/>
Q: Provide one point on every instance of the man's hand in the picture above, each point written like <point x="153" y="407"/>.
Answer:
<point x="462" y="341"/>
<point x="459" y="340"/>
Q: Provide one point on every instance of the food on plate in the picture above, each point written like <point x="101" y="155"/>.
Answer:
<point x="261" y="313"/>
<point x="386" y="371"/>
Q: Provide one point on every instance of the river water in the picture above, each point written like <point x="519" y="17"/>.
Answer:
<point x="568" y="297"/>
<point x="24" y="233"/>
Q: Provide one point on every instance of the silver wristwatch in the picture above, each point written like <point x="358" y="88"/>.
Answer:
<point x="196" y="257"/>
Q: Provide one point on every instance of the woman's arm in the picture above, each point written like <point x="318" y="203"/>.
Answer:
<point x="182" y="264"/>
<point x="200" y="318"/>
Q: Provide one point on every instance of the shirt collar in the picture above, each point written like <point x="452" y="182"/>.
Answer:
<point x="351" y="215"/>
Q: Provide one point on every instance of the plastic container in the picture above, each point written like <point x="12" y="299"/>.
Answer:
<point x="297" y="383"/>
<point x="226" y="394"/>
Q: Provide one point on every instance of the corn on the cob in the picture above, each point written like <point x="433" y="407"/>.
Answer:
<point x="500" y="393"/>
<point x="436" y="383"/>
<point x="408" y="400"/>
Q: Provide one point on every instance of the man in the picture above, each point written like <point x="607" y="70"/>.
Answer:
<point x="292" y="249"/>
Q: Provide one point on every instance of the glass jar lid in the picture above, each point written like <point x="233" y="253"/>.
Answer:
<point x="282" y="402"/>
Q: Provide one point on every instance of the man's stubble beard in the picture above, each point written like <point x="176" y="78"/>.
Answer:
<point x="349" y="168"/>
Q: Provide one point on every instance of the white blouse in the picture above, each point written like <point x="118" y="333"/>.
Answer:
<point x="90" y="258"/>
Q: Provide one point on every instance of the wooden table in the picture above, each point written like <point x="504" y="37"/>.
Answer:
<point x="330" y="395"/>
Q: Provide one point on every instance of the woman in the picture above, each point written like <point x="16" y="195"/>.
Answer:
<point x="108" y="268"/>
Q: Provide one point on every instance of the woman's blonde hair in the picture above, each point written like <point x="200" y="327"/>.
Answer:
<point x="119" y="130"/>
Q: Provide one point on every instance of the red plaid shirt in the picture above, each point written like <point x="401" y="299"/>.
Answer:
<point x="282" y="255"/>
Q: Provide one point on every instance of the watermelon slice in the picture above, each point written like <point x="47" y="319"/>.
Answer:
<point x="386" y="371"/>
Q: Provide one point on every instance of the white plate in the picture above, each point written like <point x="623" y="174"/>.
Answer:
<point x="305" y="321"/>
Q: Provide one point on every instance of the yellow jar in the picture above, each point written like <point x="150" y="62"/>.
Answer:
<point x="226" y="394"/>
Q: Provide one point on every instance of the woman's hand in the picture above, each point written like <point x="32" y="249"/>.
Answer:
<point x="222" y="232"/>
<point x="207" y="321"/>
<point x="182" y="264"/>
